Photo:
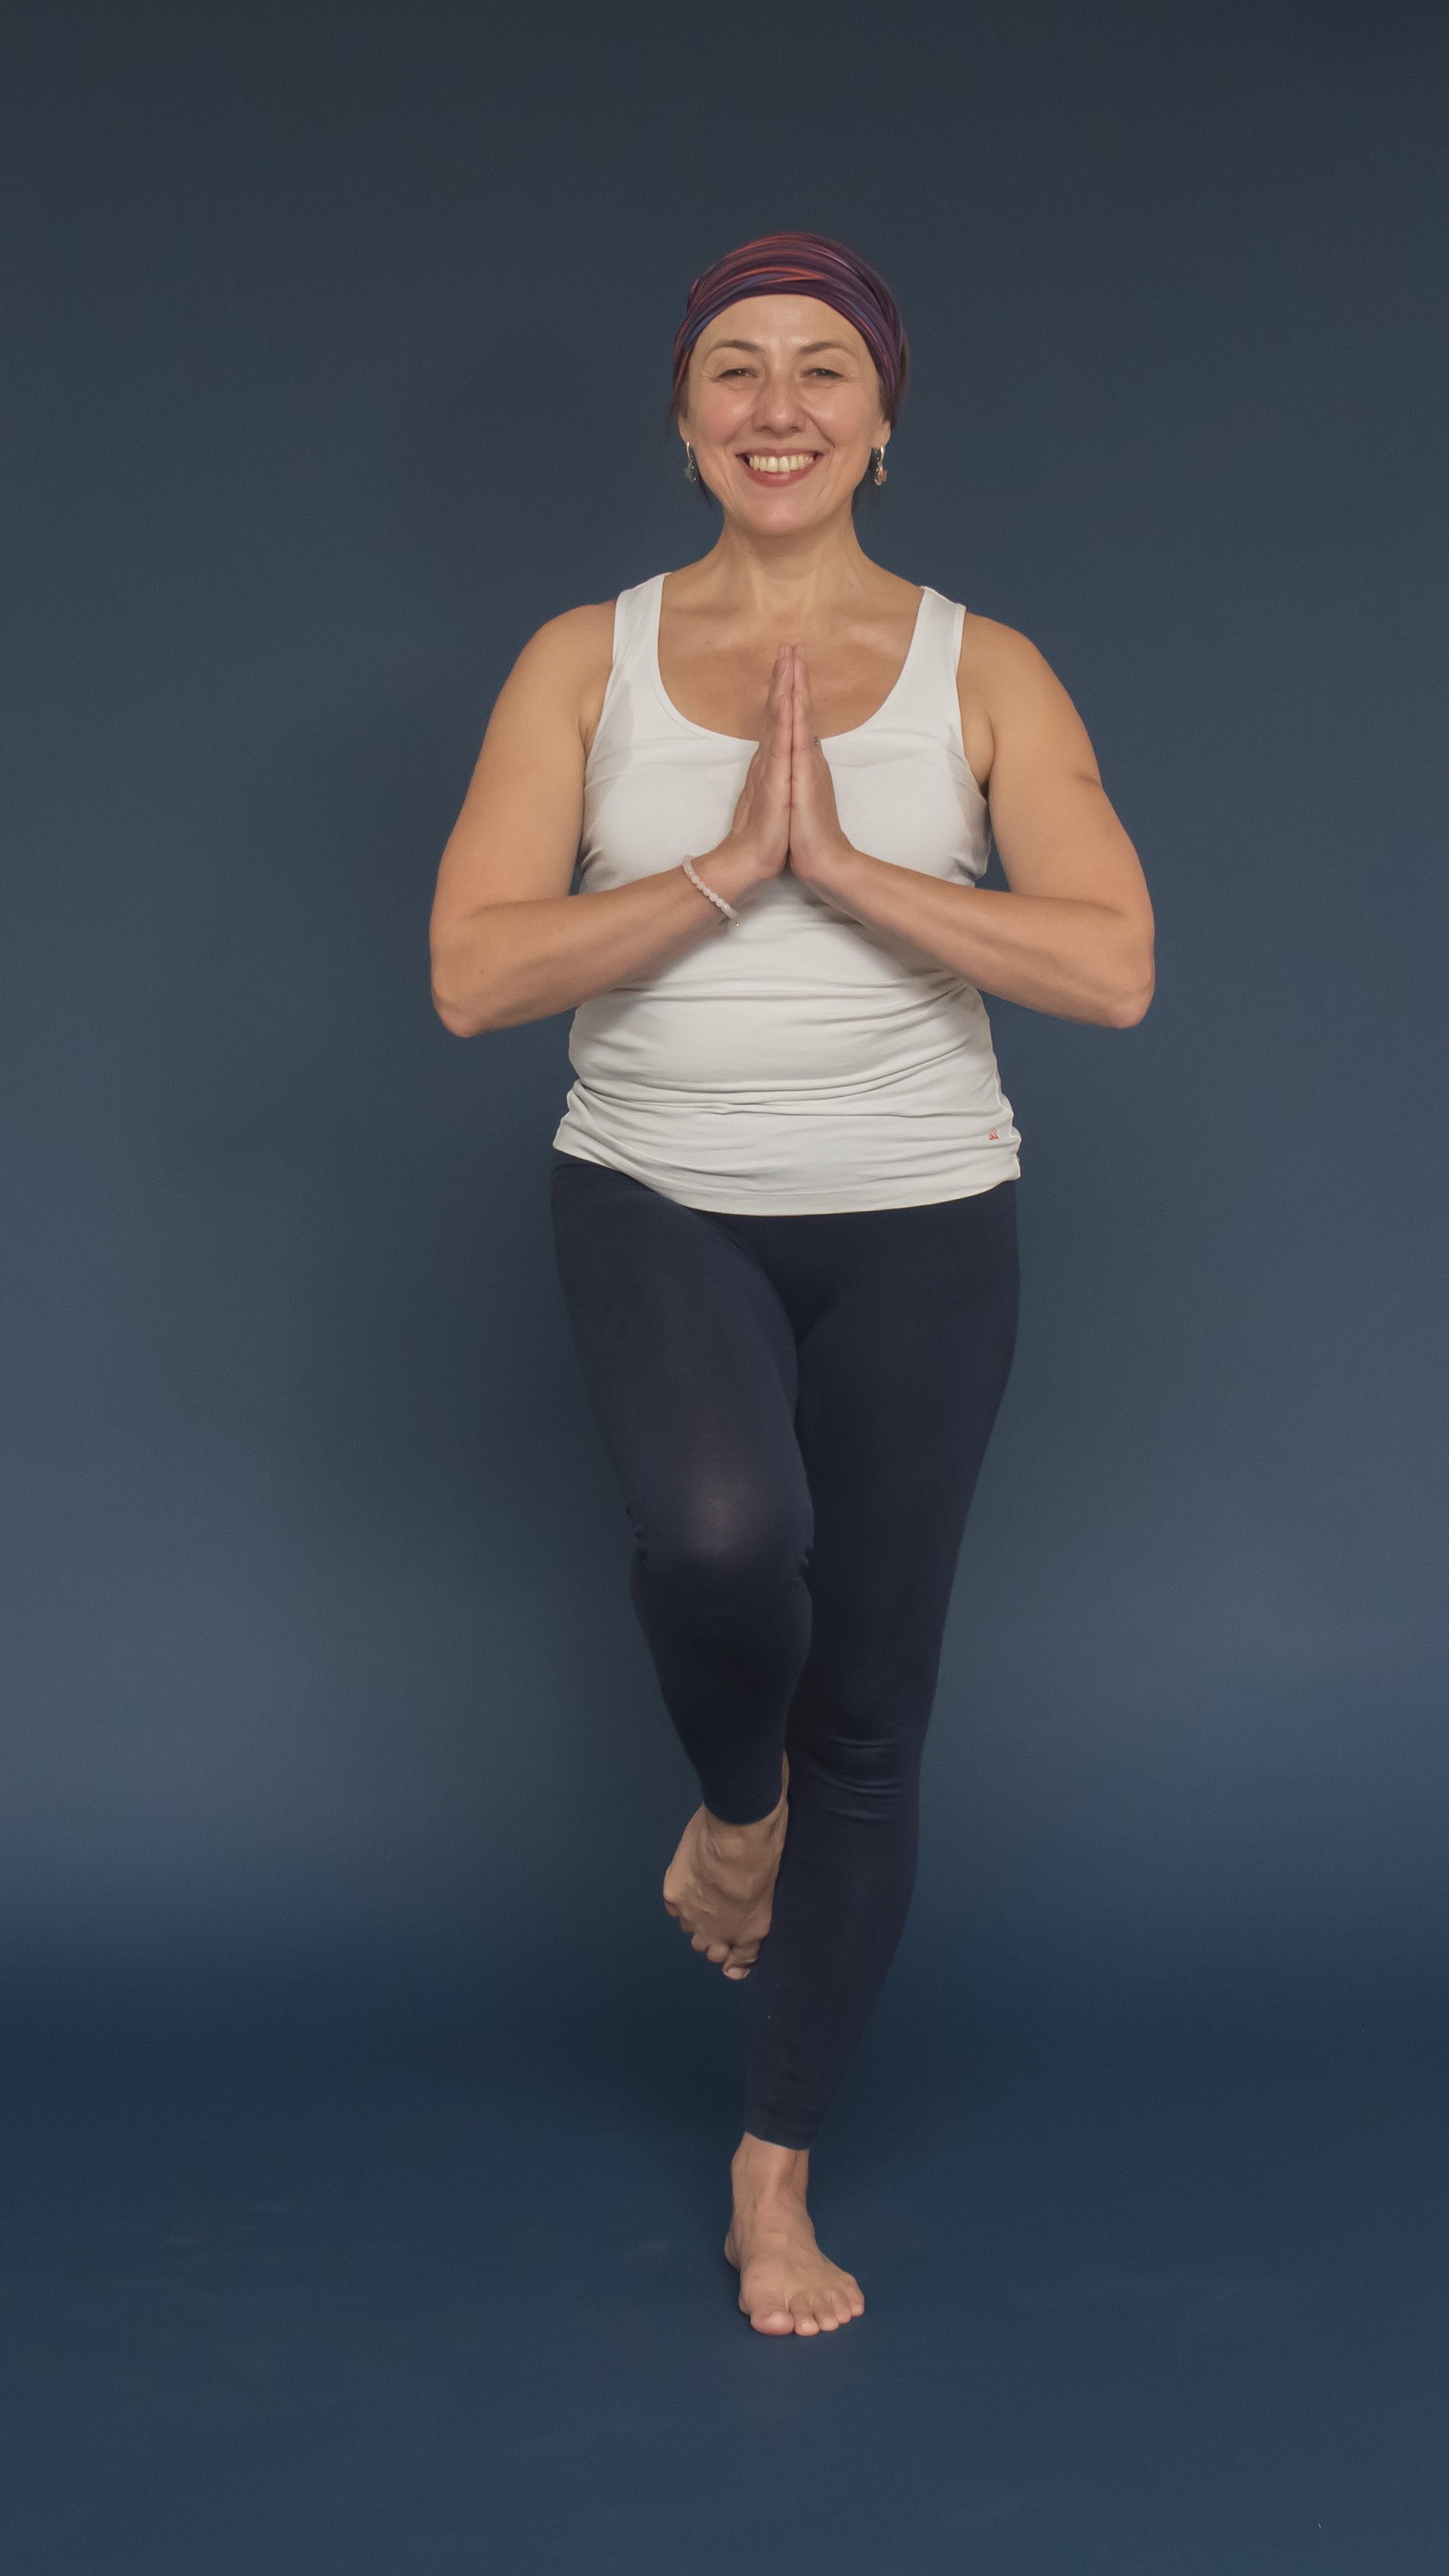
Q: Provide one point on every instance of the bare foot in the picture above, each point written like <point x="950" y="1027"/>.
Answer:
<point x="787" y="2286"/>
<point x="721" y="1883"/>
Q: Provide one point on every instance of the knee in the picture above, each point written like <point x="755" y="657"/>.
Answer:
<point x="728" y="1551"/>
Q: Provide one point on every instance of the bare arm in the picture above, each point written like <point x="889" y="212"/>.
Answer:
<point x="1074" y="935"/>
<point x="508" y="942"/>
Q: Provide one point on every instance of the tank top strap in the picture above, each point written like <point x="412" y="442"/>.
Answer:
<point x="636" y="615"/>
<point x="926" y="693"/>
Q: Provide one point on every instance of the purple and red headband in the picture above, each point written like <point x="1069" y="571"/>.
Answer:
<point x="801" y="264"/>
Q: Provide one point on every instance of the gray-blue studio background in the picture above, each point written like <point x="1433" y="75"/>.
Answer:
<point x="337" y="356"/>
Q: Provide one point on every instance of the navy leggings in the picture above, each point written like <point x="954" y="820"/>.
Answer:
<point x="797" y="1408"/>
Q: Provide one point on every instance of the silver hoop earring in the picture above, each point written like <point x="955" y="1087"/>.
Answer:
<point x="877" y="458"/>
<point x="691" y="470"/>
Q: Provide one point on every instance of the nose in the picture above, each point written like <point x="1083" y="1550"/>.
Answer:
<point x="780" y="408"/>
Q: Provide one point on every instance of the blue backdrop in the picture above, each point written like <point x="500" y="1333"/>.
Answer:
<point x="338" y="353"/>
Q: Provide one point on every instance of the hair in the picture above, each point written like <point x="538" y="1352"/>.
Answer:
<point x="800" y="264"/>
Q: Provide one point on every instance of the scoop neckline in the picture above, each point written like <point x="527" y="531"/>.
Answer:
<point x="743" y="741"/>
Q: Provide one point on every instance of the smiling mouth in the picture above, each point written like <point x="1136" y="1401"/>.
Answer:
<point x="765" y="468"/>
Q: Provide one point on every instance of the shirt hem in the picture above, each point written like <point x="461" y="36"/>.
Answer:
<point x="723" y="1199"/>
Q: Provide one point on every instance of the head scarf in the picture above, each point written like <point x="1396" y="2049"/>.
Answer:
<point x="801" y="264"/>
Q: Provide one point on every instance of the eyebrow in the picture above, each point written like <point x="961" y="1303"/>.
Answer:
<point x="807" y="349"/>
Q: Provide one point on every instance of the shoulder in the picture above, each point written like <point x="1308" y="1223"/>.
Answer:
<point x="997" y="657"/>
<point x="563" y="669"/>
<point x="1013" y="700"/>
<point x="1008" y="693"/>
<point x="571" y="643"/>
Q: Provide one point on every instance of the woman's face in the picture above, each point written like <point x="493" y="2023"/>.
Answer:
<point x="783" y="409"/>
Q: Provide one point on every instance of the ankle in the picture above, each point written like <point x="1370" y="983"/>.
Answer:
<point x="762" y="2172"/>
<point x="738" y="1842"/>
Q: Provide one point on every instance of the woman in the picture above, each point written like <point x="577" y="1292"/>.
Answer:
<point x="784" y="1183"/>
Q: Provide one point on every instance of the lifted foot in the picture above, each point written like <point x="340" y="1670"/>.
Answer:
<point x="720" y="1884"/>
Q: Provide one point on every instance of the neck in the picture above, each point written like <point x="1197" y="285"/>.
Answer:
<point x="788" y="577"/>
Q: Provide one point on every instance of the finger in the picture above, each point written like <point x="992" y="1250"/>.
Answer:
<point x="806" y="704"/>
<point x="800" y="731"/>
<point x="774" y="699"/>
<point x="784" y="721"/>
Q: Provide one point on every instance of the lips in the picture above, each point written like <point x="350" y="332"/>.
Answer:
<point x="789" y="465"/>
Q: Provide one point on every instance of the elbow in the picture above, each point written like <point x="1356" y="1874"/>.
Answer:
<point x="1128" y="1009"/>
<point x="460" y="1019"/>
<point x="1129" y="1004"/>
<point x="464" y="1010"/>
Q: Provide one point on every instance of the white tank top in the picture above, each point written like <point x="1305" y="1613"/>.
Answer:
<point x="797" y="1061"/>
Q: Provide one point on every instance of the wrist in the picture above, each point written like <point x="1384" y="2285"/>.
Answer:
<point x="826" y="862"/>
<point x="732" y="871"/>
<point x="719" y="904"/>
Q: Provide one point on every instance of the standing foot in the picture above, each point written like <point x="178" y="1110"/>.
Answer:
<point x="787" y="2286"/>
<point x="720" y="1884"/>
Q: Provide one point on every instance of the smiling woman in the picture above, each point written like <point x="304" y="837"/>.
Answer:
<point x="784" y="1181"/>
<point x="785" y="264"/>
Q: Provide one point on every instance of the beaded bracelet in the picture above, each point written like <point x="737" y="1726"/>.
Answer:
<point x="727" y="909"/>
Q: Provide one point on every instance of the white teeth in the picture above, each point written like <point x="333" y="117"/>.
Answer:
<point x="779" y="464"/>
